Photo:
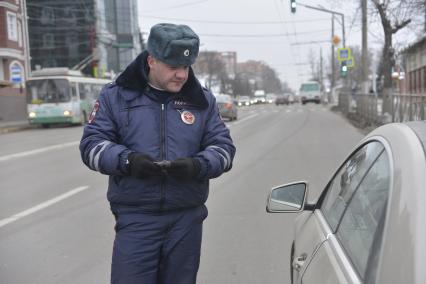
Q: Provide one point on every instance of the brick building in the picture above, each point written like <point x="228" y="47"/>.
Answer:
<point x="14" y="66"/>
<point x="415" y="69"/>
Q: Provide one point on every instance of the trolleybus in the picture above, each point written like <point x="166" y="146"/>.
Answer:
<point x="61" y="96"/>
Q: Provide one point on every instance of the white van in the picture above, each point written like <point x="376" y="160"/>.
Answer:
<point x="310" y="92"/>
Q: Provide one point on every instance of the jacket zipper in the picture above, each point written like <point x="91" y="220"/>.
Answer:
<point x="162" y="153"/>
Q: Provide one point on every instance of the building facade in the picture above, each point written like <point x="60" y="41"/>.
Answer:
<point x="98" y="37"/>
<point x="14" y="67"/>
<point x="415" y="67"/>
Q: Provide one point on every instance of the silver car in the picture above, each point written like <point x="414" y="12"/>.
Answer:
<point x="368" y="225"/>
<point x="227" y="107"/>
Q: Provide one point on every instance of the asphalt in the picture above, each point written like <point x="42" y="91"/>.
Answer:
<point x="12" y="126"/>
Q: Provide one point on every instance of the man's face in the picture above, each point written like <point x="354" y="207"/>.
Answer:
<point x="167" y="77"/>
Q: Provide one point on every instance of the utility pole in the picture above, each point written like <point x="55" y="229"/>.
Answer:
<point x="333" y="68"/>
<point x="333" y="13"/>
<point x="321" y="71"/>
<point x="364" y="56"/>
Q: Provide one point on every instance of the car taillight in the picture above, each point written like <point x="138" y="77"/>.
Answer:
<point x="228" y="106"/>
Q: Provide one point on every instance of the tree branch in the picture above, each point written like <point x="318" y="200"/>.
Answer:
<point x="400" y="26"/>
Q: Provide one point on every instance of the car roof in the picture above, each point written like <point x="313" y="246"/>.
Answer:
<point x="223" y="98"/>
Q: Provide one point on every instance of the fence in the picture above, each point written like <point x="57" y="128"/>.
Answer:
<point x="373" y="110"/>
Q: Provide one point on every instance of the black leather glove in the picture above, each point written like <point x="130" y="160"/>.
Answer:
<point x="184" y="168"/>
<point x="142" y="166"/>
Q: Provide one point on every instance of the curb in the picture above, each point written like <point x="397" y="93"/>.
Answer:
<point x="14" y="128"/>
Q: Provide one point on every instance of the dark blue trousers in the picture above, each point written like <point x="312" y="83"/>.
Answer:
<point x="157" y="248"/>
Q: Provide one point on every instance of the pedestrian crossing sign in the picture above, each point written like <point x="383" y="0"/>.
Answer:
<point x="343" y="54"/>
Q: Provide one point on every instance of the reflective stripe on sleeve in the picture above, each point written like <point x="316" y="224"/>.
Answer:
<point x="95" y="154"/>
<point x="225" y="156"/>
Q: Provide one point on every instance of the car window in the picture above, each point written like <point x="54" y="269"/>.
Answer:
<point x="360" y="227"/>
<point x="223" y="99"/>
<point x="344" y="183"/>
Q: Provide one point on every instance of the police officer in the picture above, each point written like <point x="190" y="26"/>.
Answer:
<point x="159" y="136"/>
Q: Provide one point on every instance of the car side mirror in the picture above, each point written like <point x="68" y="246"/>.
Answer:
<point x="287" y="198"/>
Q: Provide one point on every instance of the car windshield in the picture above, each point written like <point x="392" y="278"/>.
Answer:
<point x="309" y="87"/>
<point x="223" y="99"/>
<point x="48" y="91"/>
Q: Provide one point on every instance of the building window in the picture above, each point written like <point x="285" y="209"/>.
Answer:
<point x="48" y="41"/>
<point x="12" y="29"/>
<point x="51" y="62"/>
<point x="47" y="16"/>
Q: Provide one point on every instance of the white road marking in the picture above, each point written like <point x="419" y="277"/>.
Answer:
<point x="243" y="119"/>
<point x="37" y="151"/>
<point x="41" y="206"/>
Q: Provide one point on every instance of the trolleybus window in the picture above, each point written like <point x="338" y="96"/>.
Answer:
<point x="48" y="91"/>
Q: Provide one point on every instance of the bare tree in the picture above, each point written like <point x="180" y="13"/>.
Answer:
<point x="394" y="16"/>
<point x="211" y="64"/>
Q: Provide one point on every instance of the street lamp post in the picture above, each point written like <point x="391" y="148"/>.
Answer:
<point x="333" y="13"/>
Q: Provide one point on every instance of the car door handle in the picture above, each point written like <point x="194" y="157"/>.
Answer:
<point x="299" y="261"/>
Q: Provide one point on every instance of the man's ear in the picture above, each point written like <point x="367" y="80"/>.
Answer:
<point x="151" y="61"/>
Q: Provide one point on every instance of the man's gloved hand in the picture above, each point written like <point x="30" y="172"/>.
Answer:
<point x="142" y="166"/>
<point x="184" y="168"/>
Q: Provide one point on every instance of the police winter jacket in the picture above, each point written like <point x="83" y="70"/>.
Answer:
<point x="127" y="118"/>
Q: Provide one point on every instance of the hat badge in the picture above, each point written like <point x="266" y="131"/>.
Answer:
<point x="187" y="117"/>
<point x="186" y="52"/>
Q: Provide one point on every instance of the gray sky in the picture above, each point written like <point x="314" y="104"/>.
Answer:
<point x="262" y="30"/>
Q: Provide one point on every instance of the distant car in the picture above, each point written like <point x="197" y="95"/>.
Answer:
<point x="227" y="107"/>
<point x="310" y="92"/>
<point x="282" y="100"/>
<point x="243" y="101"/>
<point x="270" y="98"/>
<point x="259" y="97"/>
<point x="368" y="224"/>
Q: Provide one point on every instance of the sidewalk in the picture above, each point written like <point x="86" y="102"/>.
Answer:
<point x="12" y="126"/>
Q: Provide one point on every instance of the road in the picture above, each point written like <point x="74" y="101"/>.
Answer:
<point x="55" y="224"/>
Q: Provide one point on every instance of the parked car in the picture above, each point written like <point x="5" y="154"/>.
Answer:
<point x="243" y="101"/>
<point x="227" y="107"/>
<point x="282" y="100"/>
<point x="368" y="224"/>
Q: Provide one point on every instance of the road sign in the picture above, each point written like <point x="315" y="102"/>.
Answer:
<point x="335" y="40"/>
<point x="16" y="73"/>
<point x="343" y="53"/>
<point x="350" y="62"/>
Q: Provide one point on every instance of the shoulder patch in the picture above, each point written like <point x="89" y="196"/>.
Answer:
<point x="94" y="111"/>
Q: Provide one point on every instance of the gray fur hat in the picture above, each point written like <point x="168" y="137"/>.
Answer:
<point x="175" y="45"/>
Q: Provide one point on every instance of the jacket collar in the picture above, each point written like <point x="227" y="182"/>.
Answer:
<point x="135" y="77"/>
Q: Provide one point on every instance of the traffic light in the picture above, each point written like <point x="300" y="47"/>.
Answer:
<point x="293" y="6"/>
<point x="343" y="69"/>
